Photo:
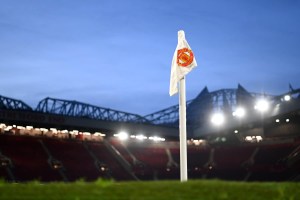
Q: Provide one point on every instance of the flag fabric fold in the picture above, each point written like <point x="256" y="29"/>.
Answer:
<point x="183" y="62"/>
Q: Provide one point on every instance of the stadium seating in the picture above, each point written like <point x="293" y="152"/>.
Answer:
<point x="122" y="149"/>
<point x="76" y="160"/>
<point x="3" y="174"/>
<point x="271" y="162"/>
<point x="153" y="158"/>
<point x="116" y="170"/>
<point x="28" y="158"/>
<point x="82" y="159"/>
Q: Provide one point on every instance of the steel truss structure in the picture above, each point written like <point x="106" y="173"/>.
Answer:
<point x="217" y="100"/>
<point x="225" y="100"/>
<point x="13" y="104"/>
<point x="198" y="109"/>
<point x="79" y="109"/>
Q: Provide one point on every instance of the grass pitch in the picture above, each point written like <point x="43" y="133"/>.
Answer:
<point x="156" y="190"/>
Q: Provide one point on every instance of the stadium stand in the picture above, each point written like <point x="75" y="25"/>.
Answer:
<point x="65" y="140"/>
<point x="29" y="162"/>
<point x="76" y="161"/>
<point x="154" y="158"/>
<point x="90" y="160"/>
<point x="116" y="170"/>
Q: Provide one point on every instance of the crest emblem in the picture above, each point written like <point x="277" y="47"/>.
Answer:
<point x="185" y="57"/>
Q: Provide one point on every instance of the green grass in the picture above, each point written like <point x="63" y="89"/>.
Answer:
<point x="157" y="190"/>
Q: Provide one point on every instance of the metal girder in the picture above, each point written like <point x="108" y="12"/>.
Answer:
<point x="168" y="116"/>
<point x="217" y="98"/>
<point x="13" y="104"/>
<point x="223" y="98"/>
<point x="165" y="116"/>
<point x="220" y="100"/>
<point x="78" y="109"/>
<point x="197" y="108"/>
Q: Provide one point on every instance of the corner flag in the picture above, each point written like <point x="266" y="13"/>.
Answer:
<point x="183" y="62"/>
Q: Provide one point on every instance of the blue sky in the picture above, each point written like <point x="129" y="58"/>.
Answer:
<point x="118" y="53"/>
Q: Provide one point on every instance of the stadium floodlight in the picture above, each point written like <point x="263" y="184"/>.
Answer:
<point x="259" y="138"/>
<point x="239" y="112"/>
<point x="236" y="131"/>
<point x="248" y="138"/>
<point x="86" y="133"/>
<point x="54" y="130"/>
<point x="99" y="134"/>
<point x="277" y="120"/>
<point x="262" y="105"/>
<point x="20" y="127"/>
<point x="8" y="128"/>
<point x="157" y="139"/>
<point x="140" y="137"/>
<point x="217" y="119"/>
<point x="122" y="135"/>
<point x="65" y="131"/>
<point x="287" y="120"/>
<point x="70" y="132"/>
<point x="287" y="97"/>
<point x="44" y="129"/>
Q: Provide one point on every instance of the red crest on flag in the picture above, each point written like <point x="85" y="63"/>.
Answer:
<point x="185" y="57"/>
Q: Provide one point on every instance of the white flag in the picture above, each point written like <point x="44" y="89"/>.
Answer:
<point x="183" y="62"/>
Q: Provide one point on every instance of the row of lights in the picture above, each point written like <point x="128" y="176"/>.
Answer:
<point x="53" y="130"/>
<point x="261" y="105"/>
<point x="125" y="136"/>
<point x="286" y="120"/>
<point x="257" y="138"/>
<point x="121" y="135"/>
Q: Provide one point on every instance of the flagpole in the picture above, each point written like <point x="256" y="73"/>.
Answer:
<point x="182" y="131"/>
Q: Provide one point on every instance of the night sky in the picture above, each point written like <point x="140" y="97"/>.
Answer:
<point x="118" y="53"/>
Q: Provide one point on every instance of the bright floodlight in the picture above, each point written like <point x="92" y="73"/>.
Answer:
<point x="140" y="137"/>
<point x="259" y="138"/>
<point x="122" y="135"/>
<point x="248" y="138"/>
<point x="217" y="119"/>
<point x="156" y="139"/>
<point x="240" y="112"/>
<point x="287" y="97"/>
<point x="262" y="105"/>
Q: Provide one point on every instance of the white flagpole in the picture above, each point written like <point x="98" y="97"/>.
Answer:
<point x="182" y="131"/>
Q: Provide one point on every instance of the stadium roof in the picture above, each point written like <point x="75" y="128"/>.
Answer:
<point x="199" y="109"/>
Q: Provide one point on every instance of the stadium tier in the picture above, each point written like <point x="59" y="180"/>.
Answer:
<point x="27" y="158"/>
<point x="232" y="135"/>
